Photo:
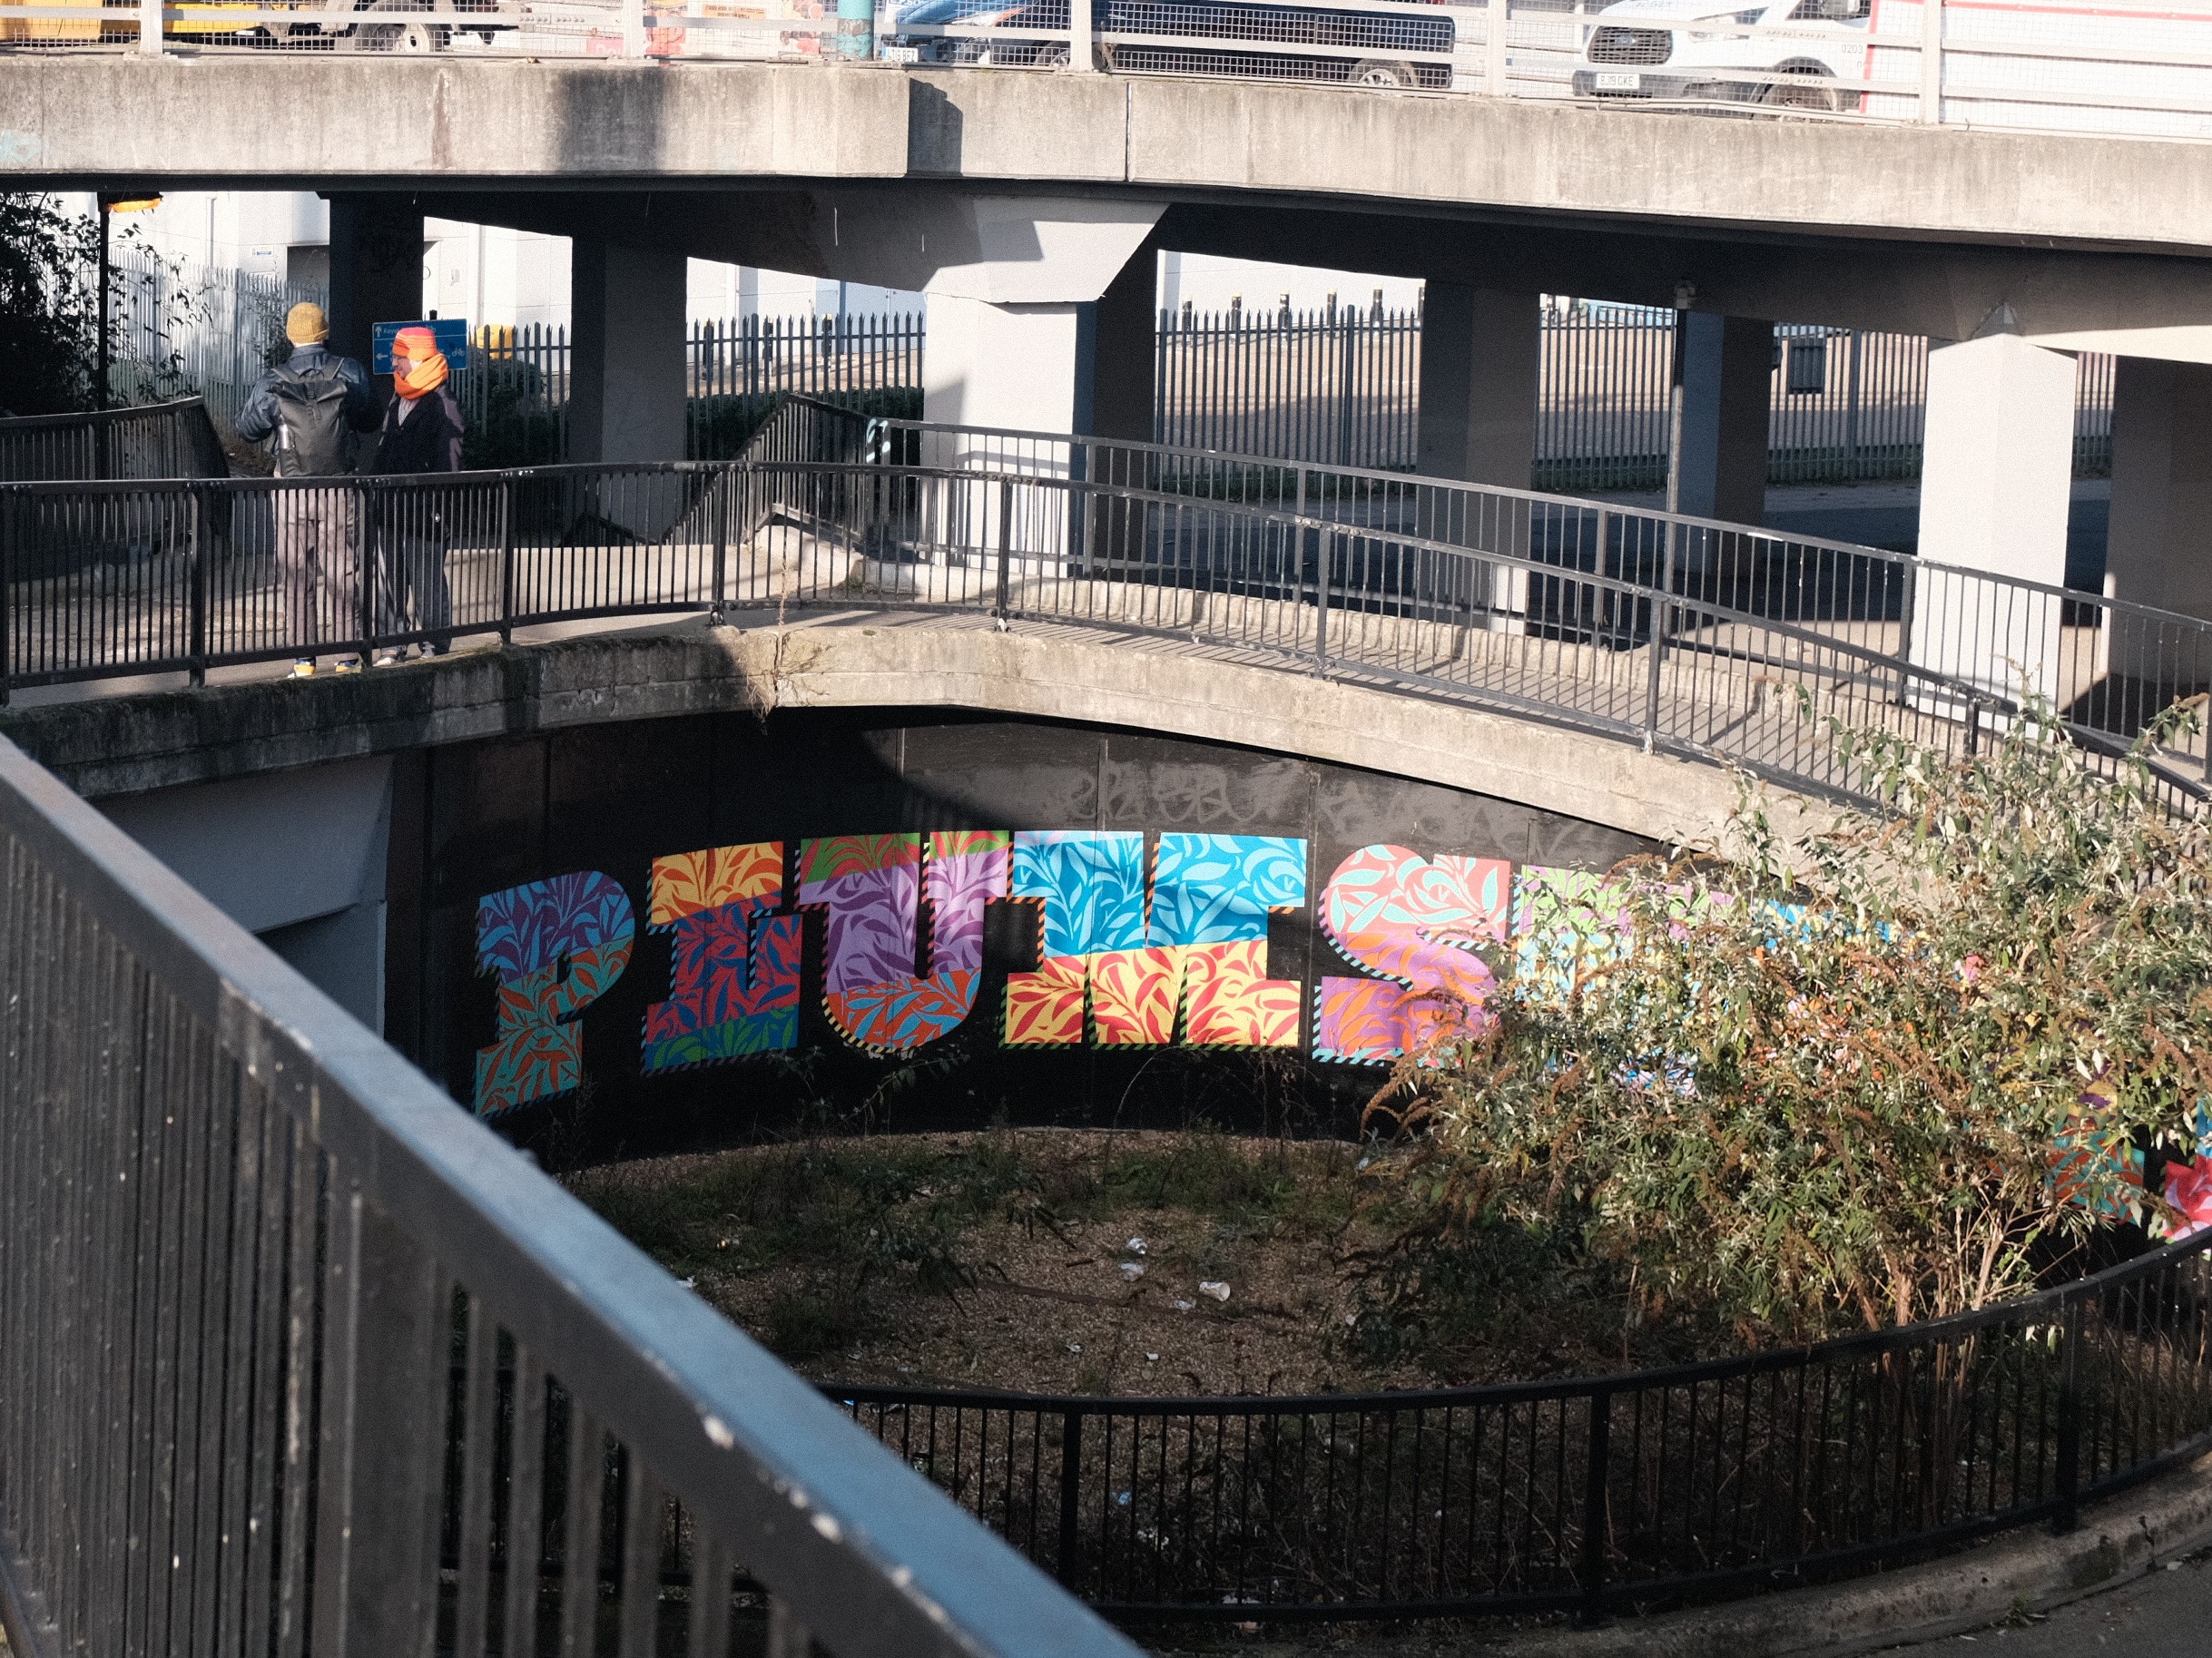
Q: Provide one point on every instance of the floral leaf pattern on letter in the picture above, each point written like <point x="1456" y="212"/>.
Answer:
<point x="1417" y="922"/>
<point x="735" y="968"/>
<point x="556" y="946"/>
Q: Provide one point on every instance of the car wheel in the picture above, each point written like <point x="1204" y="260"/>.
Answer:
<point x="1378" y="71"/>
<point x="413" y="38"/>
<point x="1804" y="90"/>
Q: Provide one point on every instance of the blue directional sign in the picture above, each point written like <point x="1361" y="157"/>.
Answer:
<point x="452" y="334"/>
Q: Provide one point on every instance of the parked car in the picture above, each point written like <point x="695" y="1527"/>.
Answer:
<point x="1405" y="45"/>
<point x="1804" y="53"/>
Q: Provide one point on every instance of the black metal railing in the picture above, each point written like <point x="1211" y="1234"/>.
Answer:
<point x="154" y="440"/>
<point x="1590" y="1493"/>
<point x="296" y="1358"/>
<point x="1704" y="639"/>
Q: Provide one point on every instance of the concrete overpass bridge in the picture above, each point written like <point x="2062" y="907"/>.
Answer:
<point x="1027" y="207"/>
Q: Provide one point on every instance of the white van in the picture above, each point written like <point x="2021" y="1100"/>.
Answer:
<point x="1793" y="54"/>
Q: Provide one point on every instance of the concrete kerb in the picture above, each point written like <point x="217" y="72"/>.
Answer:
<point x="126" y="745"/>
<point x="2128" y="1535"/>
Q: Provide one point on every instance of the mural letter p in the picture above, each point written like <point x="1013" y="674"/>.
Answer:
<point x="556" y="946"/>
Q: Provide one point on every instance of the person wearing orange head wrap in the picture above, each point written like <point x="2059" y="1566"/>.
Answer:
<point x="421" y="434"/>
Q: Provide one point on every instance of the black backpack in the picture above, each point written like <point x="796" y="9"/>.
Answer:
<point x="313" y="439"/>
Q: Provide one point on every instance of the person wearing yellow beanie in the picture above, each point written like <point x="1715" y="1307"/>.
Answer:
<point x="309" y="409"/>
<point x="421" y="434"/>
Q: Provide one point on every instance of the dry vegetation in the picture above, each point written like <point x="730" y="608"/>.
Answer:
<point x="1004" y="1260"/>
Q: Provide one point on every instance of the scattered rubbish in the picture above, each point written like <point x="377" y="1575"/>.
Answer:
<point x="689" y="1283"/>
<point x="1133" y="1270"/>
<point x="1075" y="1347"/>
<point x="1152" y="1358"/>
<point x="1214" y="1288"/>
<point x="1183" y="1306"/>
<point x="1136" y="1246"/>
<point x="1121" y="1499"/>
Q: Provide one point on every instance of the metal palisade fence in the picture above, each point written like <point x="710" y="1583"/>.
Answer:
<point x="1339" y="384"/>
<point x="1343" y="386"/>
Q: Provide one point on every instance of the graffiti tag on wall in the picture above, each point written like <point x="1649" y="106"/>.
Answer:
<point x="1134" y="949"/>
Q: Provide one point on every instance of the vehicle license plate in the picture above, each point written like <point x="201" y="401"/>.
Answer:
<point x="902" y="54"/>
<point x="1616" y="81"/>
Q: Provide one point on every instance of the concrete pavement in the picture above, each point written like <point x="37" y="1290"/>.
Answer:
<point x="2164" y="1614"/>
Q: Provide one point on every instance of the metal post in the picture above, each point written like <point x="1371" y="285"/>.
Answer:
<point x="149" y="27"/>
<point x="724" y="482"/>
<point x="196" y="643"/>
<point x="1851" y="419"/>
<point x="1081" y="54"/>
<point x="369" y="542"/>
<point x="1494" y="49"/>
<point x="1005" y="547"/>
<point x="1597" y="1520"/>
<point x="1930" y="62"/>
<point x="507" y="559"/>
<point x="8" y="575"/>
<point x="1071" y="1497"/>
<point x="1348" y="365"/>
<point x="2069" y="1515"/>
<point x="1321" y="604"/>
<point x="102" y="351"/>
<point x="787" y="1636"/>
<point x="1662" y="604"/>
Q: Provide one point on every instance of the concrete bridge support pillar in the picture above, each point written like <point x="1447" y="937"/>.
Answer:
<point x="626" y="367"/>
<point x="1723" y="367"/>
<point x="376" y="269"/>
<point x="1481" y="357"/>
<point x="1996" y="477"/>
<point x="2157" y="546"/>
<point x="1076" y="366"/>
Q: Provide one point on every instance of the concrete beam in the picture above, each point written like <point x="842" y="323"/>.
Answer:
<point x="81" y="120"/>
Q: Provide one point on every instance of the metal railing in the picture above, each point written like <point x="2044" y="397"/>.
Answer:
<point x="1590" y="1493"/>
<point x="247" y="1253"/>
<point x="154" y="440"/>
<point x="2095" y="69"/>
<point x="295" y="1357"/>
<point x="1701" y="638"/>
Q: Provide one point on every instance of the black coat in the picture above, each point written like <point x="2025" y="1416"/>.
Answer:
<point x="427" y="440"/>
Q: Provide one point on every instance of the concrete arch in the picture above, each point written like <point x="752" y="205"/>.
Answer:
<point x="127" y="745"/>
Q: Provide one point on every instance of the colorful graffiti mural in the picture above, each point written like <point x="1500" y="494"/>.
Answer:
<point x="555" y="946"/>
<point x="735" y="965"/>
<point x="1194" y="962"/>
<point x="1418" y="925"/>
<point x="867" y="886"/>
<point x="1138" y="943"/>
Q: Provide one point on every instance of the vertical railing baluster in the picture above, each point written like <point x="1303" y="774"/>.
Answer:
<point x="506" y="558"/>
<point x="195" y="647"/>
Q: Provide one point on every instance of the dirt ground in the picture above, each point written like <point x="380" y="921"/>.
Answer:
<point x="1040" y="1260"/>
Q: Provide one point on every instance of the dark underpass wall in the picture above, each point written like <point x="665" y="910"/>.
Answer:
<point x="636" y="938"/>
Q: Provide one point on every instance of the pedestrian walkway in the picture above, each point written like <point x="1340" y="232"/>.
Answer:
<point x="2165" y="1615"/>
